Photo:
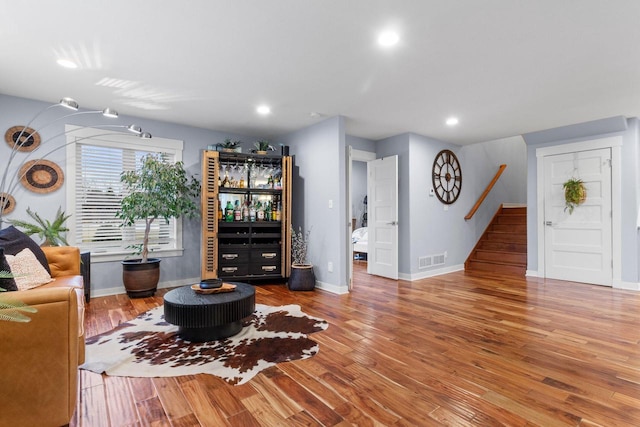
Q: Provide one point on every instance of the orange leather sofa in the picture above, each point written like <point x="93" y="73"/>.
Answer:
<point x="39" y="360"/>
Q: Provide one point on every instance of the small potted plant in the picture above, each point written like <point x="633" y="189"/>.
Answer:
<point x="229" y="146"/>
<point x="157" y="190"/>
<point x="302" y="276"/>
<point x="50" y="232"/>
<point x="575" y="193"/>
<point x="262" y="147"/>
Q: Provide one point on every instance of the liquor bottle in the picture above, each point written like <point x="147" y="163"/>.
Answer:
<point x="273" y="211"/>
<point x="279" y="212"/>
<point x="252" y="212"/>
<point x="219" y="210"/>
<point x="237" y="212"/>
<point x="267" y="211"/>
<point x="270" y="182"/>
<point x="228" y="212"/>
<point x="245" y="210"/>
<point x="225" y="181"/>
<point x="259" y="211"/>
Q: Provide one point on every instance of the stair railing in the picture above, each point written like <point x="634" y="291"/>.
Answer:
<point x="485" y="193"/>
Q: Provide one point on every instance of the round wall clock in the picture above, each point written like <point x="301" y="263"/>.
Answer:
<point x="22" y="138"/>
<point x="447" y="177"/>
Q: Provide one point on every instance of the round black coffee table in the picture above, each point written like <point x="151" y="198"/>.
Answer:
<point x="209" y="317"/>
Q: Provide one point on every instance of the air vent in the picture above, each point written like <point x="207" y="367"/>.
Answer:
<point x="431" y="261"/>
<point x="425" y="262"/>
<point x="438" y="259"/>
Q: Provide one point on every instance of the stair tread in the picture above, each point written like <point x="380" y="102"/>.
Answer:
<point x="484" y="261"/>
<point x="498" y="251"/>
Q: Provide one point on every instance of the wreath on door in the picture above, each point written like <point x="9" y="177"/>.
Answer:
<point x="575" y="193"/>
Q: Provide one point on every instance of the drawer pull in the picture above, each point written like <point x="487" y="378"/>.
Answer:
<point x="229" y="269"/>
<point x="269" y="255"/>
<point x="229" y="256"/>
<point x="269" y="267"/>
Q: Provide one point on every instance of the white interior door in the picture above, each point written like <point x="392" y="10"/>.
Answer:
<point x="578" y="246"/>
<point x="382" y="215"/>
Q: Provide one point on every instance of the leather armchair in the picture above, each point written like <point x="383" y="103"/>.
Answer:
<point x="39" y="360"/>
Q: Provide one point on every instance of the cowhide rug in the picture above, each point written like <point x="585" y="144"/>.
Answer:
<point x="147" y="346"/>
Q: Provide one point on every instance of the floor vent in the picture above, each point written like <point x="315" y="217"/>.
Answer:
<point x="438" y="259"/>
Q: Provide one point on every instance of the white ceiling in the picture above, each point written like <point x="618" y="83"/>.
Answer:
<point x="504" y="67"/>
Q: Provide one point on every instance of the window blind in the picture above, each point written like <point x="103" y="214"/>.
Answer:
<point x="98" y="164"/>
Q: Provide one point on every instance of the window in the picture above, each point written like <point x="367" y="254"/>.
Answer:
<point x="95" y="160"/>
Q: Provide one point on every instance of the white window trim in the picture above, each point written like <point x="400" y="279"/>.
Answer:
<point x="109" y="138"/>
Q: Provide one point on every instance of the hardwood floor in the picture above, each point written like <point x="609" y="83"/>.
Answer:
<point x="458" y="349"/>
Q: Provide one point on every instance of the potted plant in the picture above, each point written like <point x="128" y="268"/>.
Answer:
<point x="575" y="193"/>
<point x="50" y="232"/>
<point x="228" y="145"/>
<point x="262" y="147"/>
<point x="302" y="276"/>
<point x="157" y="190"/>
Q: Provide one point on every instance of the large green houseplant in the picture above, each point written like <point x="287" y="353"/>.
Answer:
<point x="158" y="190"/>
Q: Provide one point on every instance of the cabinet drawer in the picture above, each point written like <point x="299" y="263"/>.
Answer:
<point x="233" y="270"/>
<point x="233" y="256"/>
<point x="264" y="268"/>
<point x="262" y="256"/>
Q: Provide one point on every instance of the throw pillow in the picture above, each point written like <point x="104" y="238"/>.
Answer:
<point x="6" y="284"/>
<point x="14" y="240"/>
<point x="28" y="270"/>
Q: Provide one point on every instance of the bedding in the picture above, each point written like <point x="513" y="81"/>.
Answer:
<point x="360" y="238"/>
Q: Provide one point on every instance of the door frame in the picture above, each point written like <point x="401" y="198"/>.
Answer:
<point x="353" y="155"/>
<point x="615" y="144"/>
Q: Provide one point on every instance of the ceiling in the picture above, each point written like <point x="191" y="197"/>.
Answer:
<point x="503" y="67"/>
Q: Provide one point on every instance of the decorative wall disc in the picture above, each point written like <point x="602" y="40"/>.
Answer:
<point x="28" y="139"/>
<point x="7" y="203"/>
<point x="41" y="176"/>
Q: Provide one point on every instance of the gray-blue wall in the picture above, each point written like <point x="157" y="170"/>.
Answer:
<point x="319" y="151"/>
<point x="106" y="276"/>
<point x="629" y="129"/>
<point x="319" y="168"/>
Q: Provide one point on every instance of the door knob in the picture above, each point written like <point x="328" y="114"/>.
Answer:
<point x="548" y="223"/>
<point x="392" y="223"/>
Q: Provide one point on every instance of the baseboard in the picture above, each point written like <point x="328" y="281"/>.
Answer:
<point x="120" y="289"/>
<point x="334" y="289"/>
<point x="629" y="286"/>
<point x="431" y="273"/>
<point x="531" y="273"/>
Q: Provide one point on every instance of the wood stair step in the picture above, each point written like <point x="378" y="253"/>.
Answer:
<point x="519" y="210"/>
<point x="510" y="228"/>
<point x="501" y="236"/>
<point x="512" y="219"/>
<point x="495" y="267"/>
<point x="501" y="256"/>
<point x="503" y="246"/>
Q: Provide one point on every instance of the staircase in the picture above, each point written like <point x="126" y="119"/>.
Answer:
<point x="502" y="249"/>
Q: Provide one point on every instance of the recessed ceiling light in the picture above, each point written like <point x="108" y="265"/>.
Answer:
<point x="388" y="38"/>
<point x="263" y="110"/>
<point x="67" y="63"/>
<point x="452" y="121"/>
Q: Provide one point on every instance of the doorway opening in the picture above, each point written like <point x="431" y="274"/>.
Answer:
<point x="357" y="196"/>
